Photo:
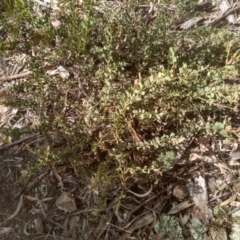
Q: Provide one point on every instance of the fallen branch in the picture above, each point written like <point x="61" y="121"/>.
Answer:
<point x="13" y="77"/>
<point x="6" y="146"/>
<point x="223" y="15"/>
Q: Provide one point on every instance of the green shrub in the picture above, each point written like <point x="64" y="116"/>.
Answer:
<point x="136" y="87"/>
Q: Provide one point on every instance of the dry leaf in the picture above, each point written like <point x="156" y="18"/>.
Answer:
<point x="212" y="185"/>
<point x="3" y="108"/>
<point x="4" y="230"/>
<point x="61" y="71"/>
<point x="103" y="225"/>
<point x="73" y="222"/>
<point x="58" y="177"/>
<point x="56" y="23"/>
<point x="229" y="200"/>
<point x="66" y="221"/>
<point x="235" y="155"/>
<point x="180" y="207"/>
<point x="19" y="207"/>
<point x="235" y="204"/>
<point x="141" y="221"/>
<point x="39" y="225"/>
<point x="184" y="219"/>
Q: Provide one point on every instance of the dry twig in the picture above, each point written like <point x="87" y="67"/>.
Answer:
<point x="13" y="77"/>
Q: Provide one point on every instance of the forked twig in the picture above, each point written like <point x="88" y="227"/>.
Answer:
<point x="6" y="146"/>
<point x="223" y="15"/>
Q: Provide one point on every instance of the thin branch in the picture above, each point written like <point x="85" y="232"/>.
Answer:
<point x="13" y="77"/>
<point x="6" y="146"/>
